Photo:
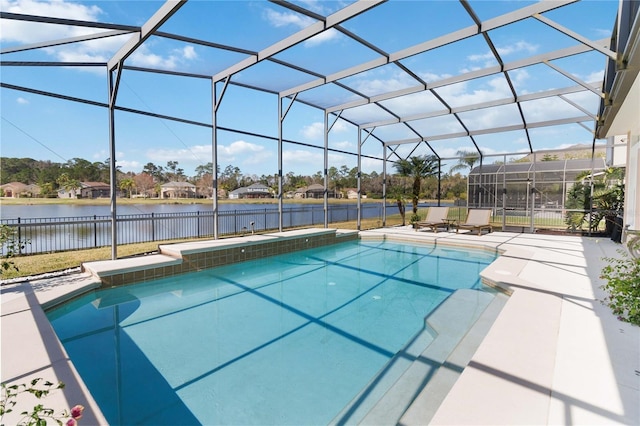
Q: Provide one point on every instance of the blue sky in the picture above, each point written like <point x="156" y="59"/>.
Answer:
<point x="45" y="128"/>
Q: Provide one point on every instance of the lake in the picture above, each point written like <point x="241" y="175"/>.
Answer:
<point x="59" y="227"/>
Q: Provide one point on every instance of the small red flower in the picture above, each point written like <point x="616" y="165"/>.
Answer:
<point x="71" y="422"/>
<point x="76" y="412"/>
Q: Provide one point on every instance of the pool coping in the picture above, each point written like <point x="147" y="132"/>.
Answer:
<point x="536" y="360"/>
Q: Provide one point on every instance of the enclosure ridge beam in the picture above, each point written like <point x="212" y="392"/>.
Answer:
<point x="148" y="28"/>
<point x="594" y="45"/>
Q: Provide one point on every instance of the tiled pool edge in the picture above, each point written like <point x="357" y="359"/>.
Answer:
<point x="176" y="259"/>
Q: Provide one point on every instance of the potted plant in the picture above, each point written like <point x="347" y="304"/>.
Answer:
<point x="414" y="219"/>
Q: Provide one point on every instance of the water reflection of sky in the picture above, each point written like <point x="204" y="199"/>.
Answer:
<point x="72" y="210"/>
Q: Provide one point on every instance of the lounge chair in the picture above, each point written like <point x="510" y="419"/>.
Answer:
<point x="436" y="217"/>
<point x="477" y="220"/>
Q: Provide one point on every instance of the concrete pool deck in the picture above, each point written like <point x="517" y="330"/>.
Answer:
<point x="554" y="355"/>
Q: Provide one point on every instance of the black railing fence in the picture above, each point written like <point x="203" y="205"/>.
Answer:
<point x="45" y="235"/>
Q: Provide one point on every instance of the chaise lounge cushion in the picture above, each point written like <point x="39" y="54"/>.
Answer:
<point x="477" y="220"/>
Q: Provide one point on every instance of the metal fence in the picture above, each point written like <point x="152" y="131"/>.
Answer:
<point x="45" y="235"/>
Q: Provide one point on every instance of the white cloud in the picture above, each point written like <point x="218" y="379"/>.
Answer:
<point x="130" y="166"/>
<point x="461" y="94"/>
<point x="189" y="52"/>
<point x="238" y="149"/>
<point x="368" y="83"/>
<point x="22" y="101"/>
<point x="315" y="131"/>
<point x="145" y="58"/>
<point x="25" y="32"/>
<point x="180" y="155"/>
<point x="594" y="76"/>
<point x="103" y="155"/>
<point x="283" y="19"/>
<point x="309" y="162"/>
<point x="344" y="145"/>
<point x="505" y="51"/>
<point x="518" y="47"/>
<point x="325" y="36"/>
<point x="99" y="50"/>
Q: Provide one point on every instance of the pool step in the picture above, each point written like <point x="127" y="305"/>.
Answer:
<point x="415" y="372"/>
<point x="425" y="405"/>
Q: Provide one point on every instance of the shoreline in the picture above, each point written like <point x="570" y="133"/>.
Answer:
<point x="152" y="201"/>
<point x="187" y="201"/>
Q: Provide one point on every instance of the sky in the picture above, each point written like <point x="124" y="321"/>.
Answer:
<point x="46" y="128"/>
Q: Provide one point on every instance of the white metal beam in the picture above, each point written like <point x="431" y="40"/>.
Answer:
<point x="160" y="17"/>
<point x="576" y="36"/>
<point x="502" y="129"/>
<point x="576" y="79"/>
<point x="522" y="63"/>
<point x="342" y="15"/>
<point x="481" y="105"/>
<point x="515" y="16"/>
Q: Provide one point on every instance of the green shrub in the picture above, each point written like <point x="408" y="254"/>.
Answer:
<point x="623" y="284"/>
<point x="10" y="246"/>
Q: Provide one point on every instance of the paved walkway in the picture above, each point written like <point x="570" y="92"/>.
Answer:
<point x="554" y="355"/>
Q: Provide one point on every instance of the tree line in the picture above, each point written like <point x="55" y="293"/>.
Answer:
<point x="51" y="176"/>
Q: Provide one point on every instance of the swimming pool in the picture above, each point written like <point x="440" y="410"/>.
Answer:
<point x="289" y="339"/>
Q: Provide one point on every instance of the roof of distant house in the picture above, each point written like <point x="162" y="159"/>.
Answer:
<point x="178" y="185"/>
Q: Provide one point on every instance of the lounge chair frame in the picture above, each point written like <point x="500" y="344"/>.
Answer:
<point x="436" y="217"/>
<point x="477" y="220"/>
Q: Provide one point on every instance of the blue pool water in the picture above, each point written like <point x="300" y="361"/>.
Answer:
<point x="289" y="339"/>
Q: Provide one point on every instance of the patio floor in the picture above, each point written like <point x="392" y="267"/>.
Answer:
<point x="554" y="355"/>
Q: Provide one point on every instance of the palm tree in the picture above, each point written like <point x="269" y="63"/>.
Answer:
<point x="69" y="184"/>
<point x="467" y="160"/>
<point x="418" y="168"/>
<point x="127" y="185"/>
